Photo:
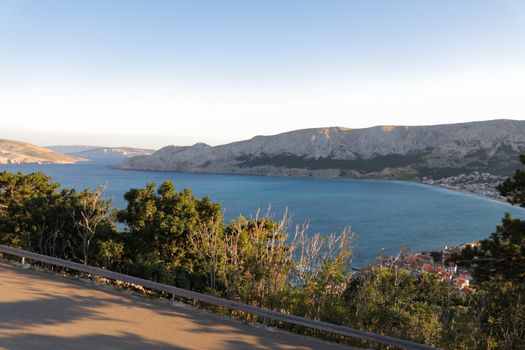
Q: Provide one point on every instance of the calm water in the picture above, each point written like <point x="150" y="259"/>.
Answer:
<point x="385" y="215"/>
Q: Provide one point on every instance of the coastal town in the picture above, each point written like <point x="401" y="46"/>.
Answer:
<point x="435" y="264"/>
<point x="478" y="183"/>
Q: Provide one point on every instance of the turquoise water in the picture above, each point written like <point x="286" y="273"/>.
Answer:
<point x="385" y="215"/>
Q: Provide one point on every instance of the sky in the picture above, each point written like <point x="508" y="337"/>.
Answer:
<point x="153" y="73"/>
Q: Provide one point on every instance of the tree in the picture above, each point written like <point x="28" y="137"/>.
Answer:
<point x="502" y="255"/>
<point x="421" y="308"/>
<point x="89" y="212"/>
<point x="48" y="224"/>
<point x="15" y="191"/>
<point x="110" y="253"/>
<point x="259" y="259"/>
<point x="35" y="215"/>
<point x="160" y="223"/>
<point x="514" y="188"/>
<point x="209" y="244"/>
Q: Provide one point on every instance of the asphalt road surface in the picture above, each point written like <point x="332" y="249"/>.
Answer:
<point x="40" y="310"/>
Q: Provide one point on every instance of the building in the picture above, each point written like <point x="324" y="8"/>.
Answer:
<point x="451" y="268"/>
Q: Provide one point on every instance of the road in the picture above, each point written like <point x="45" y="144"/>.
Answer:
<point x="40" y="310"/>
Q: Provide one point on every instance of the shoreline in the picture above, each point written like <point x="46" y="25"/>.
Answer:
<point x="419" y="182"/>
<point x="463" y="191"/>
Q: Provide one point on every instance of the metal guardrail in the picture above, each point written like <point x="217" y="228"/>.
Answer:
<point x="234" y="305"/>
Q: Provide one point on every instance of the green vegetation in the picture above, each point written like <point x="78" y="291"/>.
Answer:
<point x="408" y="166"/>
<point x="363" y="166"/>
<point x="175" y="238"/>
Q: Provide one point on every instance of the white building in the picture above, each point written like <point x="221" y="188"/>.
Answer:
<point x="451" y="268"/>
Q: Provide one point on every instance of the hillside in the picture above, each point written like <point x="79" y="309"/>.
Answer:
<point x="97" y="153"/>
<point x="13" y="152"/>
<point x="397" y="152"/>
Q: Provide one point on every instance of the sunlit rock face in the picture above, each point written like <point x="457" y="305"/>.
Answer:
<point x="16" y="152"/>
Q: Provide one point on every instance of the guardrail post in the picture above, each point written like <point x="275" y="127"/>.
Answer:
<point x="23" y="260"/>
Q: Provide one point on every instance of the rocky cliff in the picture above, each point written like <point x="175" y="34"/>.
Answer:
<point x="402" y="152"/>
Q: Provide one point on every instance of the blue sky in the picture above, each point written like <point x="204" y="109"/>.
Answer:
<point x="151" y="73"/>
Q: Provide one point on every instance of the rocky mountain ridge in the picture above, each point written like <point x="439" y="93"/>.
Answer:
<point x="401" y="152"/>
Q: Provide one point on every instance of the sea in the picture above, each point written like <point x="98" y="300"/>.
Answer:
<point x="385" y="216"/>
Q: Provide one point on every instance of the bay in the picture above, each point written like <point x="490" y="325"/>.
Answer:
<point x="384" y="215"/>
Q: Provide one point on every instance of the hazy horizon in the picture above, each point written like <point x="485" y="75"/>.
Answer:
<point x="104" y="141"/>
<point x="149" y="74"/>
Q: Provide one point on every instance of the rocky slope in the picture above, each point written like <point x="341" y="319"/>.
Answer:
<point x="402" y="152"/>
<point x="13" y="152"/>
